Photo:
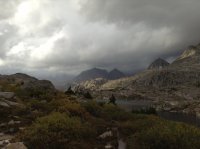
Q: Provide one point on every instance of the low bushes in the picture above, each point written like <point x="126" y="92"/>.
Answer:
<point x="73" y="108"/>
<point x="162" y="134"/>
<point x="57" y="131"/>
<point x="93" y="108"/>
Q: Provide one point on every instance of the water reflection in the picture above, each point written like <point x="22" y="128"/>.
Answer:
<point x="180" y="117"/>
<point x="130" y="105"/>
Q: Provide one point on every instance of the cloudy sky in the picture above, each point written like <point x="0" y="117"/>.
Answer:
<point x="67" y="36"/>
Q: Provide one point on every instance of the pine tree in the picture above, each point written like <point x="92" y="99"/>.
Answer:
<point x="112" y="100"/>
<point x="69" y="91"/>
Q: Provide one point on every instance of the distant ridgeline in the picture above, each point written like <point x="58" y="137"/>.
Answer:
<point x="95" y="73"/>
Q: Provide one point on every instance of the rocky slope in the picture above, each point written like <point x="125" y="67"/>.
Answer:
<point x="91" y="85"/>
<point x="23" y="85"/>
<point x="17" y="93"/>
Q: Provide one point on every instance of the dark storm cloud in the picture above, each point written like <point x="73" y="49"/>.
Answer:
<point x="181" y="17"/>
<point x="68" y="36"/>
<point x="153" y="13"/>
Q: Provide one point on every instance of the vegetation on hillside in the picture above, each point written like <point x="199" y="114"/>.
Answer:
<point x="68" y="124"/>
<point x="55" y="120"/>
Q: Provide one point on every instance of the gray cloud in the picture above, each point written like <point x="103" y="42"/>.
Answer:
<point x="68" y="36"/>
<point x="7" y="31"/>
<point x="8" y="8"/>
<point x="179" y="17"/>
<point x="7" y="38"/>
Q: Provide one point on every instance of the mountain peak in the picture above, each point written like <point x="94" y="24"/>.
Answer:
<point x="192" y="51"/>
<point x="95" y="73"/>
<point x="91" y="74"/>
<point x="158" y="64"/>
<point x="95" y="68"/>
<point x="190" y="58"/>
<point x="115" y="70"/>
<point x="115" y="74"/>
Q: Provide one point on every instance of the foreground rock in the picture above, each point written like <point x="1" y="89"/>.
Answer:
<point x="7" y="95"/>
<point x="5" y="139"/>
<point x="106" y="134"/>
<point x="18" y="145"/>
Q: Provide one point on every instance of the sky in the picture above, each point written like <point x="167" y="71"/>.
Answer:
<point x="52" y="37"/>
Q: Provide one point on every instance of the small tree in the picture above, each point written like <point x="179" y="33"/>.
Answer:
<point x="88" y="95"/>
<point x="198" y="84"/>
<point x="69" y="91"/>
<point x="112" y="99"/>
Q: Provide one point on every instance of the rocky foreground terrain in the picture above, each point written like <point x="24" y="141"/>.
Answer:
<point x="173" y="87"/>
<point x="15" y="92"/>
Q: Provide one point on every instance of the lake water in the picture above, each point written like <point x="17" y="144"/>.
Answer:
<point x="180" y="117"/>
<point x="130" y="105"/>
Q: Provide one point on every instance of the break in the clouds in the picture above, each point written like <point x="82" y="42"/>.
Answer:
<point x="67" y="36"/>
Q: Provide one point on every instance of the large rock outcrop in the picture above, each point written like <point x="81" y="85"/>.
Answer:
<point x="158" y="64"/>
<point x="24" y="85"/>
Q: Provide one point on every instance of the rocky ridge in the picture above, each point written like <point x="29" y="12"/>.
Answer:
<point x="96" y="73"/>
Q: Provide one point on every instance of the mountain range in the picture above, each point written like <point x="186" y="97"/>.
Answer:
<point x="173" y="84"/>
<point x="176" y="84"/>
<point x="95" y="73"/>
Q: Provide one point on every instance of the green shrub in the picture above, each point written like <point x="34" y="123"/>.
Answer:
<point x="57" y="131"/>
<point x="87" y="95"/>
<point x="73" y="108"/>
<point x="34" y="104"/>
<point x="93" y="108"/>
<point x="113" y="112"/>
<point x="4" y="112"/>
<point x="69" y="91"/>
<point x="137" y="123"/>
<point x="198" y="84"/>
<point x="35" y="92"/>
<point x="165" y="135"/>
